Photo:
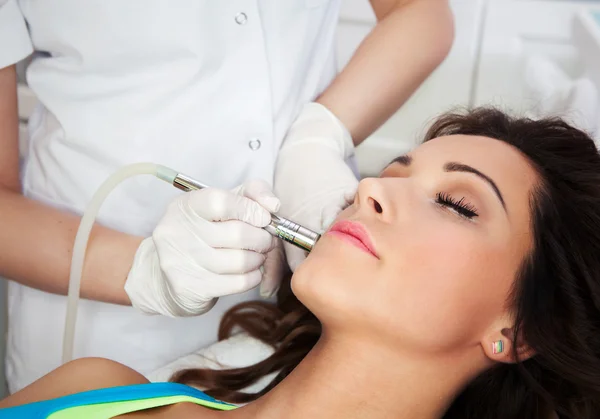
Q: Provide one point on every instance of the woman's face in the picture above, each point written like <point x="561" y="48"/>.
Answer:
<point x="448" y="225"/>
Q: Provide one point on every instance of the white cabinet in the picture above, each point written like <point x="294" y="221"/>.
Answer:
<point x="515" y="30"/>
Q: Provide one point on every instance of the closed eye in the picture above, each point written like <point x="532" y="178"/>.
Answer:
<point x="460" y="206"/>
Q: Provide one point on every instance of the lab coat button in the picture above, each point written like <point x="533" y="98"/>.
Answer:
<point x="254" y="144"/>
<point x="241" y="18"/>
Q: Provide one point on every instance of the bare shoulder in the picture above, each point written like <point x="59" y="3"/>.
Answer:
<point x="74" y="377"/>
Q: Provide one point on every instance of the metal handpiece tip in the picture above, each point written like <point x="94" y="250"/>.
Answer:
<point x="293" y="233"/>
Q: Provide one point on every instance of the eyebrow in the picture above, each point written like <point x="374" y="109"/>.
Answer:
<point x="406" y="160"/>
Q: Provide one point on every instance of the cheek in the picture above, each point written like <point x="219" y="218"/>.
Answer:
<point x="439" y="289"/>
<point x="447" y="288"/>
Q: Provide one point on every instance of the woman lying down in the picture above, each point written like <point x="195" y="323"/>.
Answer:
<point x="462" y="283"/>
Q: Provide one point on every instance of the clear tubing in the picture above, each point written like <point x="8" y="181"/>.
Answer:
<point x="83" y="234"/>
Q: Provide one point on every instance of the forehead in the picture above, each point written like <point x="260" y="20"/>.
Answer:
<point x="496" y="157"/>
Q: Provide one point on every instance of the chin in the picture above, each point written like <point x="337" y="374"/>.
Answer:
<point x="323" y="283"/>
<point x="302" y="282"/>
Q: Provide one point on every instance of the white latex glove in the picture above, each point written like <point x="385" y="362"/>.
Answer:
<point x="312" y="179"/>
<point x="210" y="243"/>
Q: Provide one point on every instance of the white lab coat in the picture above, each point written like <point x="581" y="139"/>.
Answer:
<point x="206" y="87"/>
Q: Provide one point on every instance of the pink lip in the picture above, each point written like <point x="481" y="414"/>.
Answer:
<point x="355" y="234"/>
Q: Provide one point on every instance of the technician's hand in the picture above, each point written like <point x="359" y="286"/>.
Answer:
<point x="210" y="243"/>
<point x="312" y="178"/>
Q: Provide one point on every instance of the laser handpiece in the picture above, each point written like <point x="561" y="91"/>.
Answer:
<point x="283" y="228"/>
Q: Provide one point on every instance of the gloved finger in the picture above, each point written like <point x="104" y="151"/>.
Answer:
<point x="214" y="204"/>
<point x="173" y="255"/>
<point x="261" y="192"/>
<point x="274" y="269"/>
<point x="232" y="261"/>
<point x="294" y="255"/>
<point x="186" y="295"/>
<point x="220" y="285"/>
<point x="235" y="235"/>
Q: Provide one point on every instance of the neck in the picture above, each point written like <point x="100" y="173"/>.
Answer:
<point x="351" y="378"/>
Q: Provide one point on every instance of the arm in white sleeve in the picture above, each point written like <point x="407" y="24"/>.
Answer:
<point x="15" y="43"/>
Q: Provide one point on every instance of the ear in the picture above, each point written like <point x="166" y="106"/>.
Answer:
<point x="499" y="346"/>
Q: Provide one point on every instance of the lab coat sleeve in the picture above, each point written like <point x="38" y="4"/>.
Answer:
<point x="15" y="43"/>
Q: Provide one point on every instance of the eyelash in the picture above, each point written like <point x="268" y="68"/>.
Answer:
<point x="461" y="207"/>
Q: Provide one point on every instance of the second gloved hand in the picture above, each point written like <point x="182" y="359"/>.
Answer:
<point x="210" y="243"/>
<point x="312" y="178"/>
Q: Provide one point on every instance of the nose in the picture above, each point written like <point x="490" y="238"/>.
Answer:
<point x="371" y="198"/>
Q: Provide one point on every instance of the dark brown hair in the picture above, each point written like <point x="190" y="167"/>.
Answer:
<point x="556" y="296"/>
